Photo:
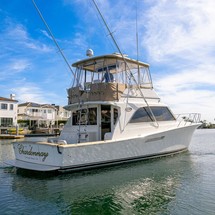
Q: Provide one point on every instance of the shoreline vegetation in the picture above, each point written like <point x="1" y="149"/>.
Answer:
<point x="206" y="125"/>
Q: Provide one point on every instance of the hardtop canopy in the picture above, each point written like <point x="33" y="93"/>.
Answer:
<point x="110" y="61"/>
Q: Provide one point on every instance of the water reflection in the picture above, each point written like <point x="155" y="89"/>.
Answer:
<point x="6" y="152"/>
<point x="182" y="184"/>
<point x="144" y="187"/>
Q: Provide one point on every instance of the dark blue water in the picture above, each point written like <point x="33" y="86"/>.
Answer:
<point x="181" y="184"/>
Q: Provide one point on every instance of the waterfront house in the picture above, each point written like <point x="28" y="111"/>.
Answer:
<point x="8" y="111"/>
<point x="62" y="114"/>
<point x="41" y="115"/>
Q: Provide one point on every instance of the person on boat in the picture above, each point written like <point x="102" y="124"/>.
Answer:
<point x="108" y="77"/>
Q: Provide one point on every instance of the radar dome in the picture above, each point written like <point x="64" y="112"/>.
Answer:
<point x="89" y="52"/>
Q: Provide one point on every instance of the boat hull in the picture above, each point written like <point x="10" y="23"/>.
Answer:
<point x="49" y="156"/>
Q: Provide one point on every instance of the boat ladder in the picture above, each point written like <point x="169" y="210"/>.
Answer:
<point x="83" y="122"/>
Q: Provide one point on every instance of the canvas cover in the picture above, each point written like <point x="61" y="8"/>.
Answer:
<point x="97" y="92"/>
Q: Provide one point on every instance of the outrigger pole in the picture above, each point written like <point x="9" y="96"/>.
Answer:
<point x="53" y="38"/>
<point x="130" y="73"/>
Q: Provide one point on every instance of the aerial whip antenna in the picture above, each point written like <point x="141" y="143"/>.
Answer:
<point x="111" y="34"/>
<point x="130" y="72"/>
<point x="137" y="36"/>
<point x="53" y="38"/>
<point x="137" y="42"/>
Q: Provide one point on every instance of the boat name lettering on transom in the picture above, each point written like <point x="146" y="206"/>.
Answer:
<point x="22" y="150"/>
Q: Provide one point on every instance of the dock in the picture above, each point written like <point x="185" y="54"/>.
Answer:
<point x="11" y="136"/>
<point x="40" y="135"/>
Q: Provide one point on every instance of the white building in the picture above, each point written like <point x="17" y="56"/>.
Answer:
<point x="62" y="114"/>
<point x="41" y="115"/>
<point x="8" y="111"/>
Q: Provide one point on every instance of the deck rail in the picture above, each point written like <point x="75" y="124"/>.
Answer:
<point x="188" y="118"/>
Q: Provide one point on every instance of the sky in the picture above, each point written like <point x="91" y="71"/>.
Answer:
<point x="176" y="37"/>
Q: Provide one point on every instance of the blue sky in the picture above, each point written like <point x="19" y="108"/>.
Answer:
<point x="176" y="37"/>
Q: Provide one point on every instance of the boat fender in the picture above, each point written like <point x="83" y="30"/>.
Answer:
<point x="50" y="140"/>
<point x="62" y="142"/>
<point x="108" y="136"/>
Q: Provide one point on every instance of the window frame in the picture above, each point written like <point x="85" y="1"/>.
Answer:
<point x="75" y="117"/>
<point x="6" y="121"/>
<point x="115" y="115"/>
<point x="146" y="116"/>
<point x="11" y="107"/>
<point x="49" y="111"/>
<point x="4" y="106"/>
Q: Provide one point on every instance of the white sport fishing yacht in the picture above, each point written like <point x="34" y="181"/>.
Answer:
<point x="116" y="117"/>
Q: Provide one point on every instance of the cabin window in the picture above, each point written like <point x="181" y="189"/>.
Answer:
<point x="84" y="117"/>
<point x="115" y="115"/>
<point x="143" y="115"/>
<point x="92" y="116"/>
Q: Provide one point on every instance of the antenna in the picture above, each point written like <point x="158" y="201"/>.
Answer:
<point x="130" y="73"/>
<point x="108" y="28"/>
<point x="53" y="38"/>
<point x="137" y="37"/>
<point x="137" y="42"/>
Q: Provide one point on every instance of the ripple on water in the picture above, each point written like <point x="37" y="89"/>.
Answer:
<point x="147" y="196"/>
<point x="182" y="184"/>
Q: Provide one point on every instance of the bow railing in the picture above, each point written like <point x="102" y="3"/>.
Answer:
<point x="188" y="118"/>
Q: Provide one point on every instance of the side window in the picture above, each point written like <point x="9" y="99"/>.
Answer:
<point x="144" y="115"/>
<point x="141" y="115"/>
<point x="92" y="118"/>
<point x="115" y="115"/>
<point x="162" y="114"/>
<point x="79" y="117"/>
<point x="84" y="117"/>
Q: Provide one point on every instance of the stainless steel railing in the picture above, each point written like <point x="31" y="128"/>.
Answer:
<point x="188" y="118"/>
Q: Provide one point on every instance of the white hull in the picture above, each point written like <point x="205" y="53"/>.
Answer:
<point x="50" y="156"/>
<point x="112" y="122"/>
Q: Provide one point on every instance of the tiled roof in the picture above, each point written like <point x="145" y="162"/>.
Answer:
<point x="6" y="99"/>
<point x="29" y="104"/>
<point x="32" y="104"/>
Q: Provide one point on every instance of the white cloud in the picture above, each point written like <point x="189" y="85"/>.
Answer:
<point x="189" y="91"/>
<point x="195" y="77"/>
<point x="46" y="34"/>
<point x="179" y="39"/>
<point x="19" y="65"/>
<point x="182" y="28"/>
<point x="15" y="39"/>
<point x="41" y="47"/>
<point x="30" y="92"/>
<point x="12" y="67"/>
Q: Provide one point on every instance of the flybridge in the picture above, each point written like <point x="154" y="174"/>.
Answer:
<point x="106" y="78"/>
<point x="92" y="70"/>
